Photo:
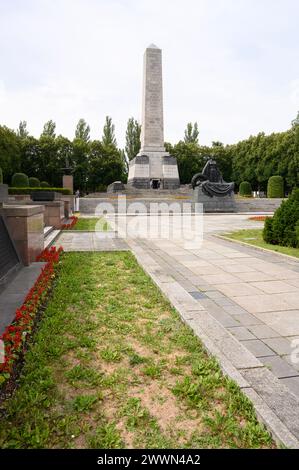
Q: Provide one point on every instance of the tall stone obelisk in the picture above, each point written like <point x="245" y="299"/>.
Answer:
<point x="153" y="167"/>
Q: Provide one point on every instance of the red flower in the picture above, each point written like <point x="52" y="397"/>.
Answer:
<point x="14" y="335"/>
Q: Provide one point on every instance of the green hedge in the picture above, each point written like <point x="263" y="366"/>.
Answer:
<point x="19" y="180"/>
<point x="275" y="187"/>
<point x="1" y="176"/>
<point x="245" y="189"/>
<point x="44" y="184"/>
<point x="29" y="190"/>
<point x="34" y="182"/>
<point x="283" y="228"/>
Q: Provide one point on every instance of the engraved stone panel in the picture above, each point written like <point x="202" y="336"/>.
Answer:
<point x="170" y="171"/>
<point x="8" y="255"/>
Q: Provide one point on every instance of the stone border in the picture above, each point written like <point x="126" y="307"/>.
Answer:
<point x="266" y="250"/>
<point x="276" y="406"/>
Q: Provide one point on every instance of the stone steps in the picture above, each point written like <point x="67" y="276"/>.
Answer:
<point x="51" y="237"/>
<point x="48" y="230"/>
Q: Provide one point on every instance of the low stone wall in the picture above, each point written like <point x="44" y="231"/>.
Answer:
<point x="257" y="204"/>
<point x="94" y="206"/>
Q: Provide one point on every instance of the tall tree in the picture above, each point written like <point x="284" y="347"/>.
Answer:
<point x="82" y="131"/>
<point x="49" y="129"/>
<point x="190" y="159"/>
<point x="31" y="157"/>
<point x="108" y="137"/>
<point x="191" y="133"/>
<point x="81" y="163"/>
<point x="295" y="121"/>
<point x="9" y="152"/>
<point x="133" y="143"/>
<point x="22" y="130"/>
<point x="106" y="165"/>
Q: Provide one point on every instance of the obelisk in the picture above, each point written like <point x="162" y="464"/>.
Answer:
<point x="152" y="127"/>
<point x="153" y="167"/>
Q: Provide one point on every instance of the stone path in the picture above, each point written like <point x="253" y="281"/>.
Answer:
<point x="90" y="241"/>
<point x="242" y="302"/>
<point x="13" y="296"/>
<point x="255" y="296"/>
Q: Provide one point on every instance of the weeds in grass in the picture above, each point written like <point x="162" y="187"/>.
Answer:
<point x="113" y="366"/>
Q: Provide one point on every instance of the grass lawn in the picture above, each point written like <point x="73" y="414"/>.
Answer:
<point x="92" y="224"/>
<point x="254" y="237"/>
<point x="113" y="366"/>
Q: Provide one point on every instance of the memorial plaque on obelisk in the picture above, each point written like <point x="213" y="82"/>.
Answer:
<point x="153" y="167"/>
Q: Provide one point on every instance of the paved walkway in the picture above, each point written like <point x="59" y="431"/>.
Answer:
<point x="243" y="303"/>
<point x="13" y="296"/>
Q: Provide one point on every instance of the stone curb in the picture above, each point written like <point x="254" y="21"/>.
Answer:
<point x="276" y="407"/>
<point x="257" y="248"/>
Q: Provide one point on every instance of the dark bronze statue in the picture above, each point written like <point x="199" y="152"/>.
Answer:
<point x="211" y="181"/>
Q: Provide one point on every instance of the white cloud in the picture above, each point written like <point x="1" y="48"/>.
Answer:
<point x="231" y="65"/>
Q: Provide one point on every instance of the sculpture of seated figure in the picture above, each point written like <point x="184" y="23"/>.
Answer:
<point x="211" y="181"/>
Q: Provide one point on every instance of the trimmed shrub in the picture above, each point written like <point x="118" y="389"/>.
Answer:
<point x="34" y="182"/>
<point x="245" y="189"/>
<point x="29" y="190"/>
<point x="275" y="187"/>
<point x="44" y="184"/>
<point x="283" y="228"/>
<point x="1" y="176"/>
<point x="267" y="232"/>
<point x="19" y="180"/>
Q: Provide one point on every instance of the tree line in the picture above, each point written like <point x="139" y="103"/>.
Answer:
<point x="97" y="163"/>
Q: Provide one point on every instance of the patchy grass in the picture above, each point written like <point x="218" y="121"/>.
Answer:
<point x="113" y="366"/>
<point x="255" y="237"/>
<point x="92" y="224"/>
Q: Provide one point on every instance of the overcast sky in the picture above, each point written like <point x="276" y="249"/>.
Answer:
<point x="231" y="65"/>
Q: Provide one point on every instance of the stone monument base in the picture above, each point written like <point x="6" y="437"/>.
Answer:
<point x="156" y="170"/>
<point x="215" y="203"/>
<point x="68" y="182"/>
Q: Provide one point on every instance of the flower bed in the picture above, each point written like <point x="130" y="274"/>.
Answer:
<point x="259" y="218"/>
<point x="15" y="335"/>
<point x="69" y="226"/>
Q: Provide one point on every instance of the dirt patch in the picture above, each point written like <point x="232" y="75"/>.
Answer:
<point x="171" y="416"/>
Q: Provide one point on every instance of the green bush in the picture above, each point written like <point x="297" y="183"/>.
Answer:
<point x="44" y="184"/>
<point x="275" y="187"/>
<point x="245" y="189"/>
<point x="102" y="188"/>
<point x="34" y="182"/>
<point x="20" y="180"/>
<point x="1" y="176"/>
<point x="29" y="190"/>
<point x="283" y="228"/>
<point x="267" y="232"/>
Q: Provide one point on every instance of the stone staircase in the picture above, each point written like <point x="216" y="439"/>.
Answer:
<point x="50" y="234"/>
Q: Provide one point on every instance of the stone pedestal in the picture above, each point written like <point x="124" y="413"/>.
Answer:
<point x="19" y="198"/>
<point x="70" y="199"/>
<point x="214" y="204"/>
<point x="54" y="213"/>
<point x="3" y="193"/>
<point x="26" y="227"/>
<point x="68" y="182"/>
<point x="67" y="209"/>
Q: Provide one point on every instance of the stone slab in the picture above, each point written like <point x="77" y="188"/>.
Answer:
<point x="280" y="432"/>
<point x="258" y="348"/>
<point x="279" y="367"/>
<point x="276" y="395"/>
<point x="14" y="295"/>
